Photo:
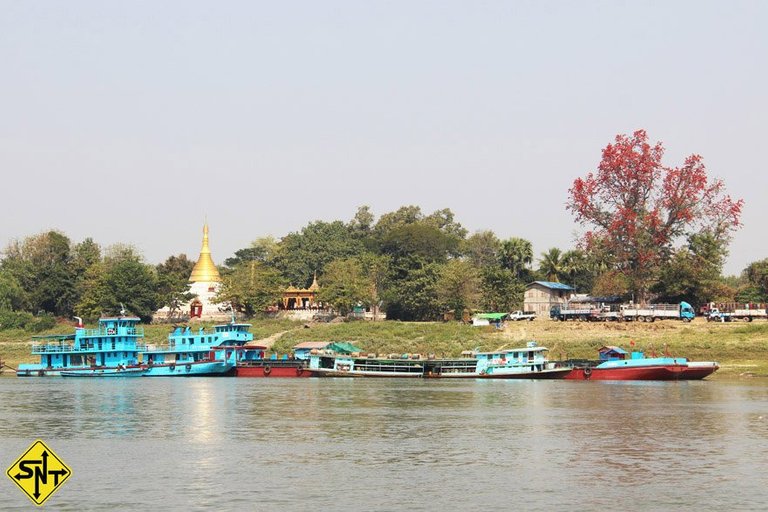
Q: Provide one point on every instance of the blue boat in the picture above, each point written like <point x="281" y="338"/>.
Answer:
<point x="197" y="353"/>
<point x="114" y="344"/>
<point x="528" y="362"/>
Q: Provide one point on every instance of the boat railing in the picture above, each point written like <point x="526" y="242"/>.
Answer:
<point x="43" y="348"/>
<point x="121" y="331"/>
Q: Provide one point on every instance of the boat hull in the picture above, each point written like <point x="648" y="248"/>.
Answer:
<point x="667" y="372"/>
<point x="699" y="370"/>
<point x="553" y="373"/>
<point x="272" y="369"/>
<point x="74" y="371"/>
<point x="101" y="373"/>
<point x="191" y="369"/>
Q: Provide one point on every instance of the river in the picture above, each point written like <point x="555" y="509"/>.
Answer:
<point x="391" y="444"/>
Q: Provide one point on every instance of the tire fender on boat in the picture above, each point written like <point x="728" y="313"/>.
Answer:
<point x="587" y="372"/>
<point x="267" y="370"/>
<point x="299" y="371"/>
<point x="172" y="367"/>
<point x="188" y="367"/>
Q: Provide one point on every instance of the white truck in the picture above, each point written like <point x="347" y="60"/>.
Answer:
<point x="522" y="315"/>
<point x="653" y="312"/>
<point x="731" y="311"/>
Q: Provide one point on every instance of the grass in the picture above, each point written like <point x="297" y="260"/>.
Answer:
<point x="740" y="348"/>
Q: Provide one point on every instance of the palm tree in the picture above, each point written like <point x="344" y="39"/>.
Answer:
<point x="551" y="264"/>
<point x="516" y="254"/>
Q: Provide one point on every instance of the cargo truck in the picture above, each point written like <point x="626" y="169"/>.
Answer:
<point x="725" y="312"/>
<point x="653" y="312"/>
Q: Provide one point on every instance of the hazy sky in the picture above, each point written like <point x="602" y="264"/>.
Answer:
<point x="130" y="121"/>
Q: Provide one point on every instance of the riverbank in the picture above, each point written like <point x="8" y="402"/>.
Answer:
<point x="740" y="348"/>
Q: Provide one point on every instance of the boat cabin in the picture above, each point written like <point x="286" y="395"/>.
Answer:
<point x="611" y="353"/>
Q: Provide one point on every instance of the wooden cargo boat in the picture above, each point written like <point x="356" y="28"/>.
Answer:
<point x="519" y="363"/>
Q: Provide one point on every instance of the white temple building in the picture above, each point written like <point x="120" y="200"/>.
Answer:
<point x="204" y="284"/>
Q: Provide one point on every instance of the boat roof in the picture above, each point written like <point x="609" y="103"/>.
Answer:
<point x="233" y="324"/>
<point x="522" y="349"/>
<point x="311" y="345"/>
<point x="129" y="318"/>
<point x="61" y="337"/>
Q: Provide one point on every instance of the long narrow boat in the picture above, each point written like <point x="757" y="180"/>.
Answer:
<point x="519" y="363"/>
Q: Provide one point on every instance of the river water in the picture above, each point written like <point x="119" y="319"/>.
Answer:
<point x="391" y="444"/>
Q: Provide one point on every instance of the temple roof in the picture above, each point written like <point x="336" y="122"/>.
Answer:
<point x="205" y="270"/>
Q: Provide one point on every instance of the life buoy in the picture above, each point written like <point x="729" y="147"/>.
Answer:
<point x="267" y="370"/>
<point x="587" y="372"/>
<point x="172" y="367"/>
<point x="299" y="371"/>
<point x="188" y="367"/>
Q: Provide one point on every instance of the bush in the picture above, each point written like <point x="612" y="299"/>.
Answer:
<point x="24" y="320"/>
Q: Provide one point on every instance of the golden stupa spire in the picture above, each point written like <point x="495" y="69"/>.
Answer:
<point x="205" y="271"/>
<point x="314" y="286"/>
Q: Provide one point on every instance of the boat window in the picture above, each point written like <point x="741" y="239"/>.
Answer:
<point x="191" y="341"/>
<point x="183" y="341"/>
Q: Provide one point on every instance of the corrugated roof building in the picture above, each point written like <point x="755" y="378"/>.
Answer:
<point x="540" y="296"/>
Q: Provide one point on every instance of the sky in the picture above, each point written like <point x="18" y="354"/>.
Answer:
<point x="132" y="122"/>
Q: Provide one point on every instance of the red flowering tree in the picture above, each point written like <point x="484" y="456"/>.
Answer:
<point x="639" y="210"/>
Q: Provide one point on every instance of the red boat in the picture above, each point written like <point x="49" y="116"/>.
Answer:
<point x="697" y="370"/>
<point x="653" y="372"/>
<point x="251" y="363"/>
<point x="614" y="365"/>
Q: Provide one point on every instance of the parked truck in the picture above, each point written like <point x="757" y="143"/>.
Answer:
<point x="522" y="315"/>
<point x="725" y="312"/>
<point x="653" y="312"/>
<point x="582" y="312"/>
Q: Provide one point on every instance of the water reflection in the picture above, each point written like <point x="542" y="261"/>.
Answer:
<point x="321" y="443"/>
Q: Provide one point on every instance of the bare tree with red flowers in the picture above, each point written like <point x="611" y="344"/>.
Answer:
<point x="637" y="209"/>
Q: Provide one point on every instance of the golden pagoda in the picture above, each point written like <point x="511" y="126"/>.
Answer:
<point x="205" y="271"/>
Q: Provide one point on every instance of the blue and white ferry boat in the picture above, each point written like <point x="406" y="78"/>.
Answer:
<point x="110" y="350"/>
<point x="197" y="353"/>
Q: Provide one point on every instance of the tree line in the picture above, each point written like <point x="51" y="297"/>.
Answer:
<point x="652" y="233"/>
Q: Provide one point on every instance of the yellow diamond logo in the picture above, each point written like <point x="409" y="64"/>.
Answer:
<point x="39" y="472"/>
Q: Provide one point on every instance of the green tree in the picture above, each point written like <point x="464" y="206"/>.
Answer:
<point x="263" y="249"/>
<point x="41" y="266"/>
<point x="345" y="284"/>
<point x="756" y="277"/>
<point x="120" y="280"/>
<point x="251" y="288"/>
<point x="12" y="296"/>
<point x="458" y="287"/>
<point x="302" y="254"/>
<point x="500" y="291"/>
<point x="173" y="282"/>
<point x="411" y="291"/>
<point x="482" y="249"/>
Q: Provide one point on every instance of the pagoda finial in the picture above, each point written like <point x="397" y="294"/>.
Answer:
<point x="314" y="286"/>
<point x="205" y="270"/>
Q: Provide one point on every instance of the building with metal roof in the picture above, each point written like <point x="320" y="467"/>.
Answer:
<point x="541" y="296"/>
